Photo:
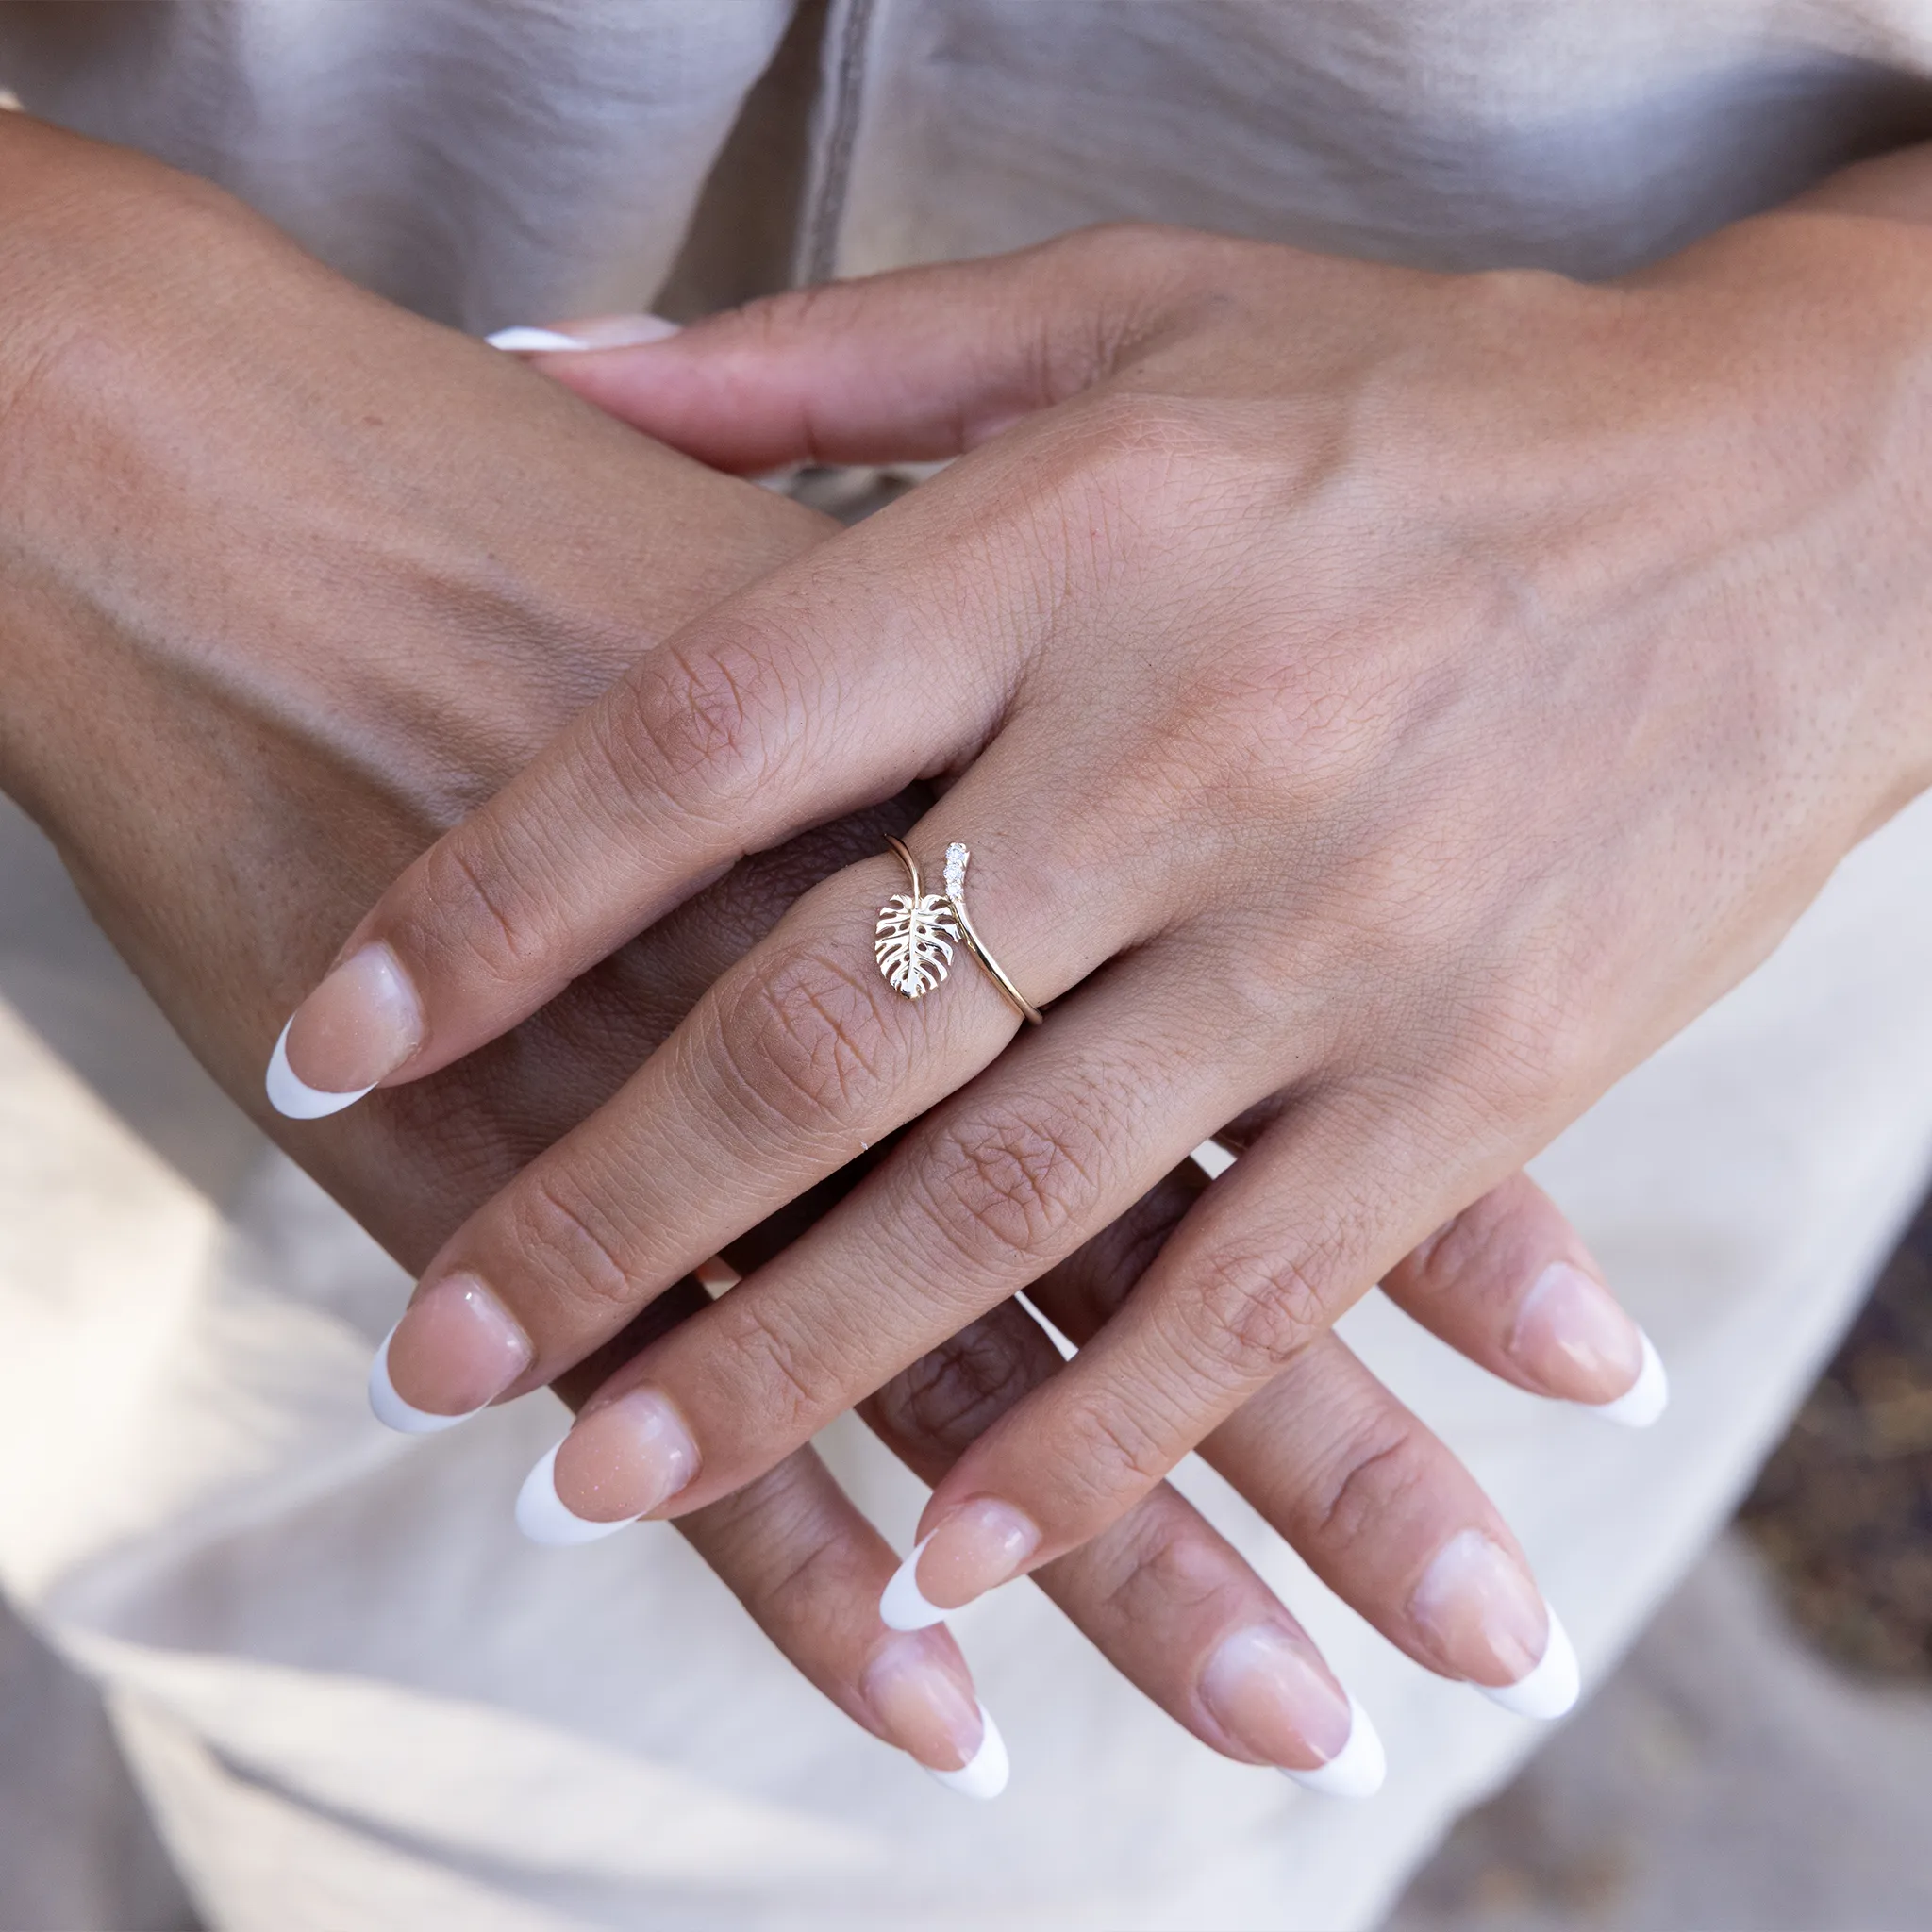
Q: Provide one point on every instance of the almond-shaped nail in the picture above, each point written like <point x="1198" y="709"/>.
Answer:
<point x="1646" y="1398"/>
<point x="980" y="1545"/>
<point x="1275" y="1697"/>
<point x="1574" y="1342"/>
<point x="926" y="1712"/>
<point x="1482" y="1616"/>
<point x="619" y="1463"/>
<point x="455" y="1351"/>
<point x="597" y="332"/>
<point x="362" y="1023"/>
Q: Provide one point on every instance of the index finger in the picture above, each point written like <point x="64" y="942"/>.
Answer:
<point x="807" y="698"/>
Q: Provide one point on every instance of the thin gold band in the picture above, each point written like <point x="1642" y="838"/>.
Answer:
<point x="957" y="858"/>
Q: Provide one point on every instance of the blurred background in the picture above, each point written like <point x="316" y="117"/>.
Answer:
<point x="1761" y="1762"/>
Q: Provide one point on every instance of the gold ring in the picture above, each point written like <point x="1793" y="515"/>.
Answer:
<point x="917" y="931"/>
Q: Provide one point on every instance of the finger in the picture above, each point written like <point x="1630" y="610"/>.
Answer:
<point x="1373" y="1503"/>
<point x="1165" y="1598"/>
<point x="810" y="697"/>
<point x="800" y="1057"/>
<point x="1269" y="1259"/>
<point x="1508" y="1283"/>
<point x="809" y="1569"/>
<point x="1392" y="1523"/>
<point x="914" y="365"/>
<point x="980" y="1197"/>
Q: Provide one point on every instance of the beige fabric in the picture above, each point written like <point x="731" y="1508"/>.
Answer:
<point x="354" y="1698"/>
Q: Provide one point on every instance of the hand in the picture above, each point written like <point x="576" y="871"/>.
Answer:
<point x="308" y="577"/>
<point x="1410" y="698"/>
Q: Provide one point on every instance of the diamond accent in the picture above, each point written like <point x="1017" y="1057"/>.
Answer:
<point x="956" y="857"/>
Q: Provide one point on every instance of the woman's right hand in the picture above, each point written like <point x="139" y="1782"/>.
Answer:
<point x="294" y="579"/>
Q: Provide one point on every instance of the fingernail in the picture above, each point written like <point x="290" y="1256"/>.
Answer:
<point x="984" y="1774"/>
<point x="619" y="1463"/>
<point x="456" y="1350"/>
<point x="924" y="1711"/>
<point x="1274" y="1696"/>
<point x="1486" y="1620"/>
<point x="1552" y="1687"/>
<point x="599" y="332"/>
<point x="359" y="1024"/>
<point x="1646" y="1398"/>
<point x="531" y="342"/>
<point x="979" y="1545"/>
<point x="1573" y="1339"/>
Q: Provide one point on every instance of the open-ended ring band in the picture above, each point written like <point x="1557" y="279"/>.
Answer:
<point x="917" y="931"/>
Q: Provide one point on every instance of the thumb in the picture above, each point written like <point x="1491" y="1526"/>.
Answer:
<point x="914" y="365"/>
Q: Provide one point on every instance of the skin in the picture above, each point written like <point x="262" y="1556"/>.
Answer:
<point x="1395" y="702"/>
<point x="311" y="579"/>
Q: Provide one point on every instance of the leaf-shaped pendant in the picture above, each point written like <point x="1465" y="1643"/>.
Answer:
<point x="916" y="937"/>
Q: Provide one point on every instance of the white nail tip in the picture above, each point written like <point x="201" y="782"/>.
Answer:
<point x="985" y="1774"/>
<point x="542" y="1517"/>
<point x="524" y="342"/>
<point x="1645" y="1399"/>
<point x="296" y="1100"/>
<point x="392" y="1412"/>
<point x="1357" y="1769"/>
<point x="1549" y="1689"/>
<point x="903" y="1604"/>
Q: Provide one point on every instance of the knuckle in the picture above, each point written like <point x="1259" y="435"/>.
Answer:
<point x="1386" y="1466"/>
<point x="951" y="1398"/>
<point x="558" y="1228"/>
<point x="699" y="724"/>
<point x="805" y="1045"/>
<point x="1166" y="1567"/>
<point x="1249" y="1313"/>
<point x="472" y="911"/>
<point x="781" y="1368"/>
<point x="1135" y="448"/>
<point x="1009" y="1189"/>
<point x="1115" y="1453"/>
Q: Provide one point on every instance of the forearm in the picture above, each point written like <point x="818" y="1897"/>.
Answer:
<point x="289" y="579"/>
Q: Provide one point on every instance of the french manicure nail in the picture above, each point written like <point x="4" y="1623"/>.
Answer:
<point x="980" y="1545"/>
<point x="541" y="1515"/>
<point x="942" y="1727"/>
<point x="532" y="342"/>
<point x="1358" y="1770"/>
<point x="599" y="332"/>
<point x="1274" y="1696"/>
<point x="1486" y="1620"/>
<point x="1570" y="1337"/>
<point x="456" y="1350"/>
<point x="984" y="1774"/>
<point x="357" y="1026"/>
<point x="619" y="1463"/>
<point x="1552" y="1687"/>
<point x="1646" y="1398"/>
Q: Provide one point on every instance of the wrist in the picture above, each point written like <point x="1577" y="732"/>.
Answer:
<point x="1814" y="390"/>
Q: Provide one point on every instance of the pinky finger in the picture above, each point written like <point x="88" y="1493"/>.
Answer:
<point x="1509" y="1284"/>
<point x="809" y="1569"/>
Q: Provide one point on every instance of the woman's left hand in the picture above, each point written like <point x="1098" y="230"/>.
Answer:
<point x="1395" y="701"/>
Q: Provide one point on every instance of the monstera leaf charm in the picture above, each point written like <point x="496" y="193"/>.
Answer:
<point x="916" y="937"/>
